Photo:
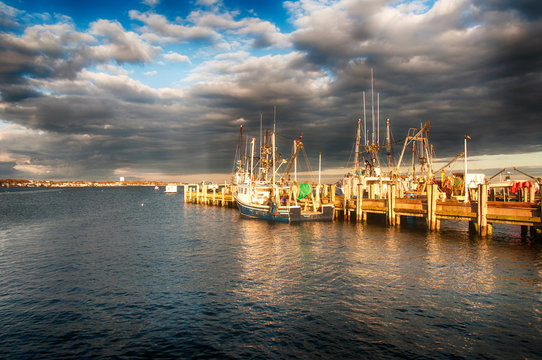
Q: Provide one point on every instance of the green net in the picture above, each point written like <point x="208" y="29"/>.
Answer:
<point x="304" y="191"/>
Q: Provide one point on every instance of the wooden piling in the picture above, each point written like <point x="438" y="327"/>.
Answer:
<point x="345" y="200"/>
<point x="432" y="194"/>
<point x="359" y="203"/>
<point x="372" y="191"/>
<point x="481" y="214"/>
<point x="390" y="201"/>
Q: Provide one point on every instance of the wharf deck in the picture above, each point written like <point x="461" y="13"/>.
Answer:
<point x="481" y="213"/>
<point x="518" y="213"/>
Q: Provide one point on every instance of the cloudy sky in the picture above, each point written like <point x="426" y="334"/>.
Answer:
<point x="158" y="89"/>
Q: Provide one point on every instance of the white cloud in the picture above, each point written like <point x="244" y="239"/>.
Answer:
<point x="53" y="40"/>
<point x="158" y="25"/>
<point x="115" y="70"/>
<point x="151" y="3"/>
<point x="121" y="45"/>
<point x="175" y="57"/>
<point x="207" y="2"/>
<point x="34" y="169"/>
<point x="151" y="73"/>
<point x="210" y="26"/>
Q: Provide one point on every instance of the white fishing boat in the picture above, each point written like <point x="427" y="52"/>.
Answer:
<point x="264" y="195"/>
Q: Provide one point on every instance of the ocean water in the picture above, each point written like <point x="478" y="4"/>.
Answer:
<point x="135" y="273"/>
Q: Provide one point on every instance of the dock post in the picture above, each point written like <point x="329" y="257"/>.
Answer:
<point x="371" y="191"/>
<point x="345" y="201"/>
<point x="316" y="199"/>
<point x="481" y="214"/>
<point x="429" y="215"/>
<point x="223" y="190"/>
<point x="197" y="193"/>
<point x="214" y="196"/>
<point x="359" y="203"/>
<point x="185" y="188"/>
<point x="432" y="193"/>
<point x="390" y="213"/>
<point x="332" y="194"/>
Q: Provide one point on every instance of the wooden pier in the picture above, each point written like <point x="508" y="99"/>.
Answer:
<point x="480" y="214"/>
<point x="209" y="195"/>
<point x="394" y="205"/>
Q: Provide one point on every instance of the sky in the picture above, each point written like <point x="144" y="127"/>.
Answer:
<point x="157" y="89"/>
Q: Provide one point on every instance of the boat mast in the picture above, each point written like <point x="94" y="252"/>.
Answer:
<point x="372" y="107"/>
<point x="261" y="120"/>
<point x="319" y="166"/>
<point x="266" y="155"/>
<point x="252" y="141"/>
<point x="295" y="160"/>
<point x="273" y="144"/>
<point x="364" y="121"/>
<point x="241" y="146"/>
<point x="273" y="140"/>
<point x="358" y="139"/>
<point x="388" y="143"/>
<point x="378" y="118"/>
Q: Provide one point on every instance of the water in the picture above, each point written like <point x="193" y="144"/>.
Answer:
<point x="135" y="273"/>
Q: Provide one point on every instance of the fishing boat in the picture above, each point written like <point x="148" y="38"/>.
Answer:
<point x="263" y="194"/>
<point x="171" y="189"/>
<point x="368" y="170"/>
<point x="262" y="201"/>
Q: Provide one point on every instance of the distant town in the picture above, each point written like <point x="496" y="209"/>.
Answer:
<point x="5" y="183"/>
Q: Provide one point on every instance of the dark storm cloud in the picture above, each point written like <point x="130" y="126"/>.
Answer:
<point x="467" y="70"/>
<point x="7" y="169"/>
<point x="530" y="9"/>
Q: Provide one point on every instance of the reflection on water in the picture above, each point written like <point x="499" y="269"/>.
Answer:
<point x="131" y="272"/>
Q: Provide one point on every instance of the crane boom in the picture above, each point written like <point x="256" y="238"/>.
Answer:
<point x="450" y="162"/>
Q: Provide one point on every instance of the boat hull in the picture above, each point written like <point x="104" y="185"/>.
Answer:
<point x="287" y="214"/>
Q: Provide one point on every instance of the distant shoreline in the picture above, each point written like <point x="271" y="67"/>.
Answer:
<point x="7" y="183"/>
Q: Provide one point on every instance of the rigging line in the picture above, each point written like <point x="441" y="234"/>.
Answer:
<point x="235" y="160"/>
<point x="352" y="151"/>
<point x="308" y="166"/>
